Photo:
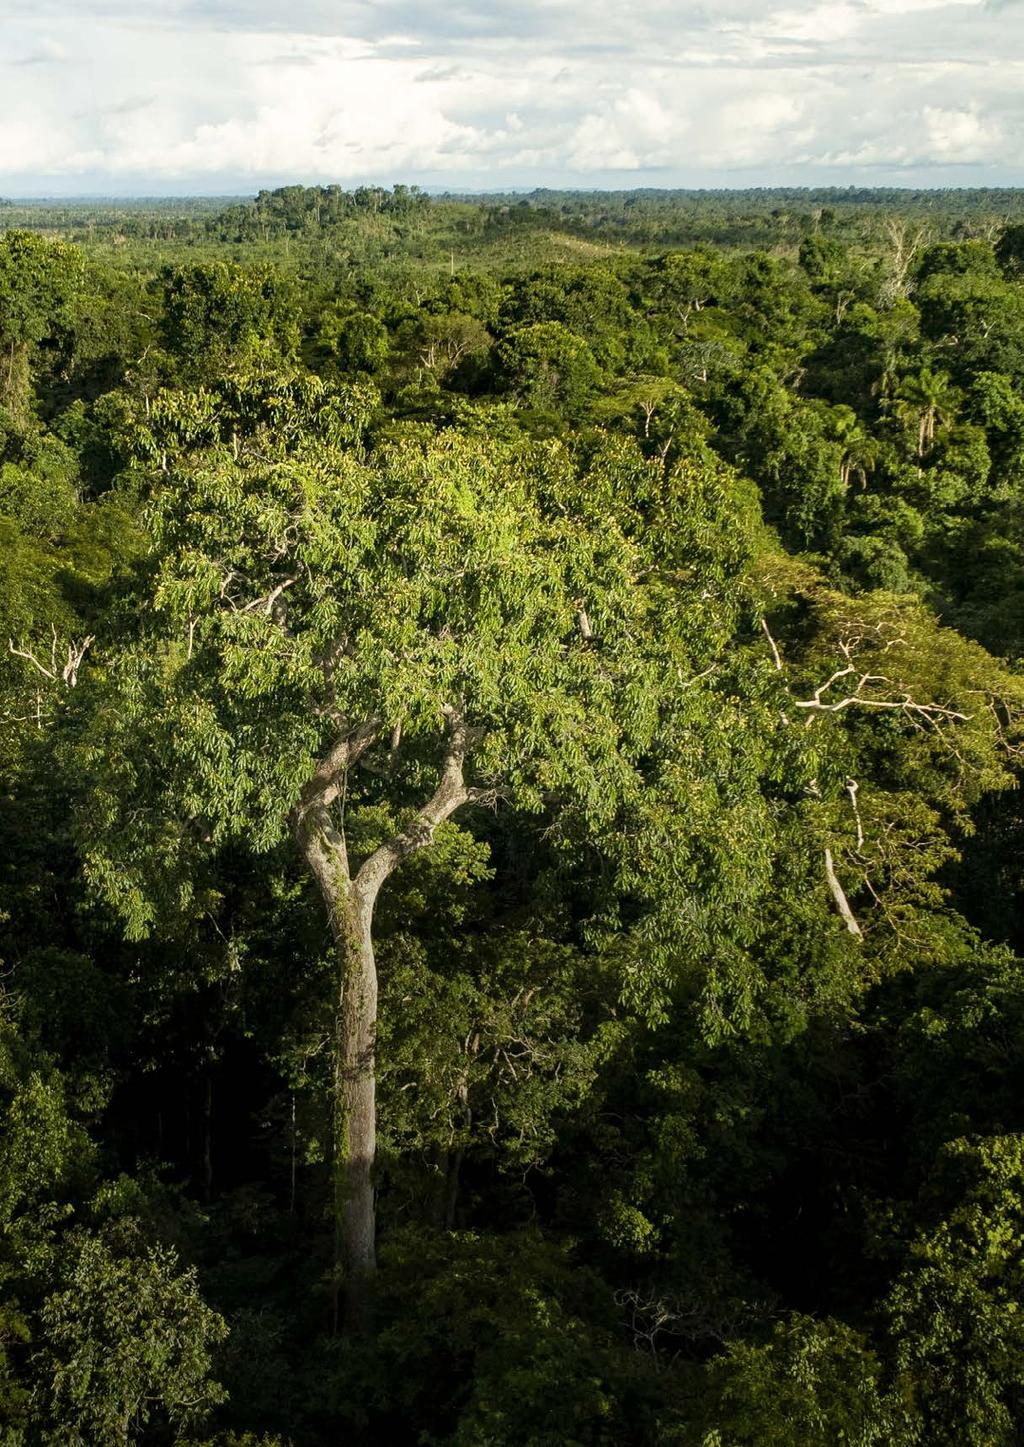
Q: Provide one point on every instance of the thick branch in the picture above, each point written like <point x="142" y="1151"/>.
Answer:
<point x="327" y="781"/>
<point x="451" y="793"/>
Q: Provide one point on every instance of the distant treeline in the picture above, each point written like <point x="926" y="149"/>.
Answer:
<point x="645" y="217"/>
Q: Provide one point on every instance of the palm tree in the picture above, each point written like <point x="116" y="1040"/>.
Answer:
<point x="924" y="401"/>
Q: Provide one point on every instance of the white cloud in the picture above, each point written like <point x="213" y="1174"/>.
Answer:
<point x="47" y="52"/>
<point x="230" y="95"/>
<point x="962" y="136"/>
<point x="914" y="7"/>
<point x="818" y="24"/>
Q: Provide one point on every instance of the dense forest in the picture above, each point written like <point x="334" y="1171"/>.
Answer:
<point x="511" y="900"/>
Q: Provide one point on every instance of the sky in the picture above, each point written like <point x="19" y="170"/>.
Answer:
<point x="182" y="97"/>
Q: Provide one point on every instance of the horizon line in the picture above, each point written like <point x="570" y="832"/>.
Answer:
<point x="440" y="192"/>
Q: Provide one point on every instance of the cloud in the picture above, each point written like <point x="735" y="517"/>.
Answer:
<point x="961" y="136"/>
<point x="507" y="92"/>
<point x="129" y="107"/>
<point x="47" y="52"/>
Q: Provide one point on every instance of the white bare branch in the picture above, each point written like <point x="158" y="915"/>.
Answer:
<point x="266" y="603"/>
<point x="30" y="657"/>
<point x="874" y="690"/>
<point x="842" y="903"/>
<point x="66" y="672"/>
<point x="772" y="645"/>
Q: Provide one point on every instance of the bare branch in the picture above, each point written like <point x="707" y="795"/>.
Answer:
<point x="68" y="672"/>
<point x="76" y="653"/>
<point x="699" y="677"/>
<point x="27" y="654"/>
<point x="842" y="903"/>
<point x="772" y="645"/>
<point x="933" y="712"/>
<point x="267" y="602"/>
<point x="866" y="688"/>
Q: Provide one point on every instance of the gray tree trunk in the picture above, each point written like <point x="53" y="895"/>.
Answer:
<point x="353" y="1107"/>
<point x="355" y="1111"/>
<point x="350" y="904"/>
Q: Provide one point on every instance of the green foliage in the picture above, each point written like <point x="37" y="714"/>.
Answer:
<point x="492" y="1043"/>
<point x="699" y="1056"/>
<point x="100" y="1330"/>
<point x="955" y="1308"/>
<point x="38" y="279"/>
<point x="356" y="342"/>
<point x="42" y="493"/>
<point x="220" y="318"/>
<point x="504" y="1341"/>
<point x="297" y="593"/>
<point x="126" y="1336"/>
<point x="44" y="1150"/>
<point x="547" y="368"/>
<point x="813" y="1382"/>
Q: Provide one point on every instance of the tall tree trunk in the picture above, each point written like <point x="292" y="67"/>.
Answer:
<point x="355" y="1108"/>
<point x="350" y="904"/>
<point x="353" y="1104"/>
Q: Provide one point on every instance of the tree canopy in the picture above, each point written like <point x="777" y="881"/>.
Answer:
<point x="510" y="739"/>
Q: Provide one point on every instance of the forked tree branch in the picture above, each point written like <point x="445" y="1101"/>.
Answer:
<point x="451" y="793"/>
<point x="327" y="781"/>
<point x="862" y="692"/>
<point x="68" y="672"/>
